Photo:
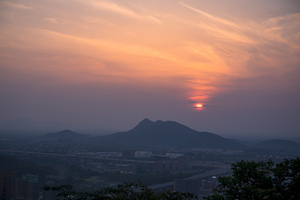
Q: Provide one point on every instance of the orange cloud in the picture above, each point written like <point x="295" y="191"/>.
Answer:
<point x="201" y="51"/>
<point x="121" y="10"/>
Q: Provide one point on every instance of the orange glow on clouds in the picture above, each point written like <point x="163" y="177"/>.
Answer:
<point x="141" y="41"/>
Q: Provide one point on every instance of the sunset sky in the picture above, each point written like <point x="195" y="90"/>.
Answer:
<point x="110" y="64"/>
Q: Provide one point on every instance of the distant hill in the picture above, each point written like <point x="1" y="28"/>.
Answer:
<point x="66" y="135"/>
<point x="278" y="143"/>
<point x="25" y="126"/>
<point x="28" y="125"/>
<point x="169" y="134"/>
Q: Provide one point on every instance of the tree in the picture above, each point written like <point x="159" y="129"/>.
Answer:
<point x="260" y="180"/>
<point x="121" y="192"/>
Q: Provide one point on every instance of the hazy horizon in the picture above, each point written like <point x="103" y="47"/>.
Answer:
<point x="34" y="128"/>
<point x="110" y="64"/>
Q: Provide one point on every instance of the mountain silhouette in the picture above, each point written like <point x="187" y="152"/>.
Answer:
<point x="169" y="134"/>
<point x="278" y="143"/>
<point x="66" y="135"/>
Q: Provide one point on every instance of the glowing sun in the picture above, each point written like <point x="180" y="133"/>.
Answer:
<point x="198" y="106"/>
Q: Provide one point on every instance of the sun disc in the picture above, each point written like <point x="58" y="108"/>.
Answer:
<point x="199" y="105"/>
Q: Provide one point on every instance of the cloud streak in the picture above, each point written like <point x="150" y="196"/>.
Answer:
<point x="17" y="6"/>
<point x="210" y="17"/>
<point x="245" y="48"/>
<point x="121" y="10"/>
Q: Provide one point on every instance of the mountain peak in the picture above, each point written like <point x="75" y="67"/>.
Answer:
<point x="145" y="122"/>
<point x="65" y="134"/>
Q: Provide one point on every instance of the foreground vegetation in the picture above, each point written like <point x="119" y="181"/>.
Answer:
<point x="260" y="180"/>
<point x="121" y="192"/>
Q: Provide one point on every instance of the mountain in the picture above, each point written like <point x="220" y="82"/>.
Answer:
<point x="169" y="134"/>
<point x="278" y="143"/>
<point x="25" y="126"/>
<point x="66" y="135"/>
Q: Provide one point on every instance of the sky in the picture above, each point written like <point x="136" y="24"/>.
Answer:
<point x="229" y="67"/>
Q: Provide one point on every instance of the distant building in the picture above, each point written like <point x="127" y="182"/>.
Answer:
<point x="27" y="187"/>
<point x="128" y="153"/>
<point x="174" y="155"/>
<point x="180" y="164"/>
<point x="183" y="163"/>
<point x="5" y="186"/>
<point x="143" y="154"/>
<point x="51" y="181"/>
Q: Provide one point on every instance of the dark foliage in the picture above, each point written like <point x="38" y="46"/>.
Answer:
<point x="260" y="180"/>
<point x="121" y="192"/>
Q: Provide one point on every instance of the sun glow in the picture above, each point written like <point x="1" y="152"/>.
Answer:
<point x="198" y="106"/>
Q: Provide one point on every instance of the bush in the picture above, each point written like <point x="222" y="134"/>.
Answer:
<point x="260" y="180"/>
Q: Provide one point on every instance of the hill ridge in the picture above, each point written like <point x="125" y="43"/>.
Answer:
<point x="169" y="133"/>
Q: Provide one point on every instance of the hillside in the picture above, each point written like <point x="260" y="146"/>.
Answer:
<point x="66" y="135"/>
<point x="170" y="134"/>
<point x="278" y="143"/>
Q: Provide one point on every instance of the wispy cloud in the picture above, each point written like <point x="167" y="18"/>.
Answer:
<point x="121" y="10"/>
<point x="113" y="7"/>
<point x="206" y="49"/>
<point x="243" y="48"/>
<point x="153" y="19"/>
<point x="211" y="17"/>
<point x="16" y="5"/>
<point x="53" y="20"/>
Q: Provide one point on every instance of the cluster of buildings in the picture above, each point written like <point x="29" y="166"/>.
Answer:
<point x="28" y="186"/>
<point x="199" y="187"/>
<point x="167" y="162"/>
<point x="148" y="154"/>
<point x="131" y="161"/>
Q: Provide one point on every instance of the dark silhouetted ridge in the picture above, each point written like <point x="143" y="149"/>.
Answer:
<point x="65" y="135"/>
<point x="170" y="134"/>
<point x="279" y="143"/>
<point x="144" y="123"/>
